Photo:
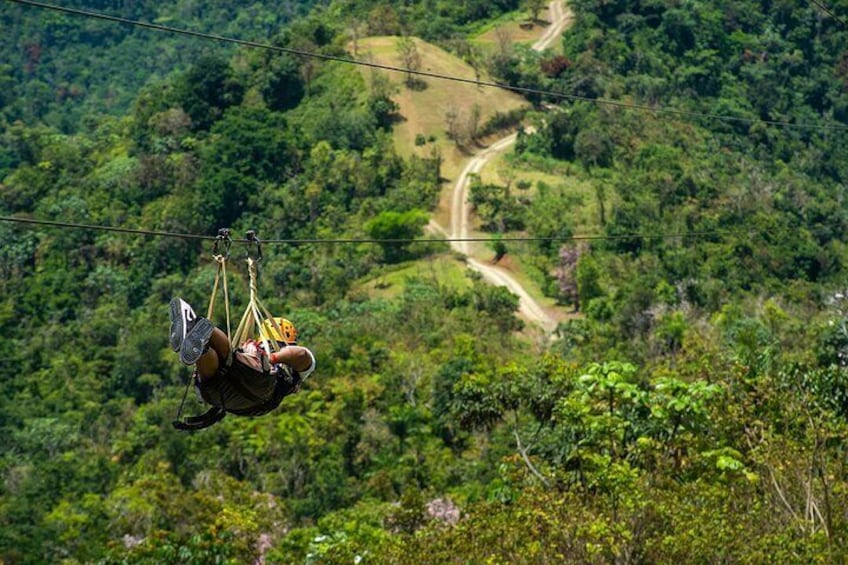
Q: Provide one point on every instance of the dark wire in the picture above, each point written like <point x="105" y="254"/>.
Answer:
<point x="524" y="90"/>
<point x="299" y="241"/>
<point x="829" y="12"/>
<point x="103" y="228"/>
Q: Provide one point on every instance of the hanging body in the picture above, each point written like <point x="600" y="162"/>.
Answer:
<point x="244" y="383"/>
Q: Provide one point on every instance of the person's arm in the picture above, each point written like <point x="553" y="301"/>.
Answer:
<point x="298" y="358"/>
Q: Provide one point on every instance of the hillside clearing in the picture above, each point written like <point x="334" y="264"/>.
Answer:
<point x="514" y="28"/>
<point x="423" y="110"/>
<point x="447" y="270"/>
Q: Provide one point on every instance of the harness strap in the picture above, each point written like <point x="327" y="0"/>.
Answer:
<point x="254" y="314"/>
<point x="220" y="278"/>
<point x="208" y="418"/>
<point x="191" y="423"/>
<point x="182" y="402"/>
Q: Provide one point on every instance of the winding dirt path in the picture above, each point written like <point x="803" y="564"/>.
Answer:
<point x="460" y="210"/>
<point x="560" y="18"/>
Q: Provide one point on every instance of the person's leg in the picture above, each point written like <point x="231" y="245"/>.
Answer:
<point x="212" y="358"/>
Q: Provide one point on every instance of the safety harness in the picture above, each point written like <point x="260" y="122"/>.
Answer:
<point x="255" y="315"/>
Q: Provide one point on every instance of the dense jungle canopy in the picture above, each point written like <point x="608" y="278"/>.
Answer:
<point x="691" y="406"/>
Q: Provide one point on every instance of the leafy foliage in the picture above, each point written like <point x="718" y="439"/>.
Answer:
<point x="693" y="404"/>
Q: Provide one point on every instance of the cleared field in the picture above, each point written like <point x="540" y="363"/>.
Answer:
<point x="513" y="28"/>
<point x="446" y="269"/>
<point x="423" y="109"/>
<point x="584" y="216"/>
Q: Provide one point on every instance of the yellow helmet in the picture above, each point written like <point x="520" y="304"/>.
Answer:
<point x="284" y="332"/>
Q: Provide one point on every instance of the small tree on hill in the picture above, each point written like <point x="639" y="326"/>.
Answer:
<point x="566" y="274"/>
<point x="452" y="124"/>
<point x="474" y="122"/>
<point x="356" y="29"/>
<point x="504" y="41"/>
<point x="411" y="58"/>
<point x="394" y="229"/>
<point x="534" y="7"/>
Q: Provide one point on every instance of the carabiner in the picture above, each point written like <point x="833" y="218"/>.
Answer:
<point x="253" y="239"/>
<point x="223" y="236"/>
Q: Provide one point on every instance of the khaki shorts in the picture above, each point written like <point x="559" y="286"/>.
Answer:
<point x="239" y="387"/>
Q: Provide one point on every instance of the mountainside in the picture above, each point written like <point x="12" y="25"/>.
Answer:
<point x="423" y="109"/>
<point x="675" y="187"/>
<point x="58" y="66"/>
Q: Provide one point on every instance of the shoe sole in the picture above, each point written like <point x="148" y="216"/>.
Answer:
<point x="196" y="340"/>
<point x="176" y="335"/>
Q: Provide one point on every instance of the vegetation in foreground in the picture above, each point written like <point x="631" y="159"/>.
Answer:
<point x="694" y="410"/>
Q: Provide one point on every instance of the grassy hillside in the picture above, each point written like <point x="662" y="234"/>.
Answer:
<point x="421" y="114"/>
<point x="447" y="271"/>
<point x="515" y="28"/>
<point x="423" y="108"/>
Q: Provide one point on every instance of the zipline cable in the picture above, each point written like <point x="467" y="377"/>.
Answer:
<point x="92" y="227"/>
<point x="428" y="74"/>
<point x="300" y="241"/>
<point x="829" y="12"/>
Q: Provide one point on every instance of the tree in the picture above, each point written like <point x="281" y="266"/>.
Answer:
<point x="170" y="128"/>
<point x="498" y="246"/>
<point x="534" y="7"/>
<point x="7" y="81"/>
<point x="383" y="20"/>
<point x="411" y="59"/>
<point x="355" y="29"/>
<point x="504" y="43"/>
<point x="471" y="54"/>
<point x="566" y="273"/>
<point x="507" y="174"/>
<point x="499" y="303"/>
<point x="474" y="122"/>
<point x="587" y="276"/>
<point x="283" y="88"/>
<point x="593" y="148"/>
<point x="393" y="230"/>
<point x="381" y="104"/>
<point x="452" y="124"/>
<point x="206" y="90"/>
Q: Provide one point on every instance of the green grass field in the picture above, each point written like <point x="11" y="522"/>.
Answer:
<point x="446" y="269"/>
<point x="515" y="28"/>
<point x="584" y="217"/>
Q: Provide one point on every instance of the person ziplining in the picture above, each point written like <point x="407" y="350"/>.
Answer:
<point x="246" y="374"/>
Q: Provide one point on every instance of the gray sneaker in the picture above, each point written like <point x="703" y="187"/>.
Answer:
<point x="195" y="341"/>
<point x="183" y="320"/>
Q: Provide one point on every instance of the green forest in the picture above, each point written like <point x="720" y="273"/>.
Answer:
<point x="676" y="189"/>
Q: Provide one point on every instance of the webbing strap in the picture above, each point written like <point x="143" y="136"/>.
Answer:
<point x="193" y="423"/>
<point x="220" y="275"/>
<point x="254" y="314"/>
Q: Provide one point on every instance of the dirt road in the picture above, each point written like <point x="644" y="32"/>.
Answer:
<point x="560" y="19"/>
<point x="461" y="210"/>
